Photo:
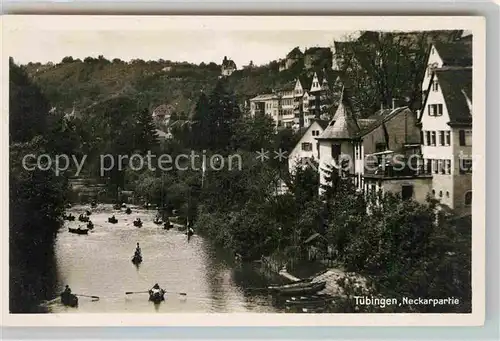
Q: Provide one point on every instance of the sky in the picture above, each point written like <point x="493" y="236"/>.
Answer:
<point x="193" y="46"/>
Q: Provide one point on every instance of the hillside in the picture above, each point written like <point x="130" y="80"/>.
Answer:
<point x="82" y="83"/>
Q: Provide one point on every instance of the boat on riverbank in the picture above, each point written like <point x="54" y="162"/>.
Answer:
<point x="305" y="289"/>
<point x="78" y="230"/>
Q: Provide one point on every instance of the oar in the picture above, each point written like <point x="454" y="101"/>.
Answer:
<point x="180" y="293"/>
<point x="136" y="292"/>
<point x="90" y="296"/>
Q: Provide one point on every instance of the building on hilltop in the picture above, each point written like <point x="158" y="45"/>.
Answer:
<point x="318" y="57"/>
<point x="292" y="58"/>
<point x="228" y="67"/>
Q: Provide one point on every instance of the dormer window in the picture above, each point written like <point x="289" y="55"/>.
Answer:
<point x="435" y="86"/>
<point x="332" y="123"/>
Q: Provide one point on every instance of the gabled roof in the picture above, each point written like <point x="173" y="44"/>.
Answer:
<point x="455" y="54"/>
<point x="381" y="116"/>
<point x="456" y="86"/>
<point x="343" y="124"/>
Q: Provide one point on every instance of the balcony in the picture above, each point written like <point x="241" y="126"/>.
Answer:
<point x="386" y="165"/>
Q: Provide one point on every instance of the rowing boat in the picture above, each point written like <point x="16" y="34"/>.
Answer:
<point x="78" y="230"/>
<point x="69" y="300"/>
<point x="301" y="284"/>
<point x="137" y="259"/>
<point x="310" y="289"/>
<point x="157" y="296"/>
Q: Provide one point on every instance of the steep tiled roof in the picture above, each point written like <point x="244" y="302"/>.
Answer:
<point x="343" y="124"/>
<point x="456" y="86"/>
<point x="455" y="54"/>
<point x="378" y="118"/>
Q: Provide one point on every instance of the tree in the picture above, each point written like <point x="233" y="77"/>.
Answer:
<point x="145" y="136"/>
<point x="67" y="59"/>
<point x="28" y="107"/>
<point x="200" y="124"/>
<point x="223" y="114"/>
<point x="383" y="66"/>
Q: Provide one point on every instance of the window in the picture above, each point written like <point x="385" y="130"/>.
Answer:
<point x="441" y="138"/>
<point x="435" y="86"/>
<point x="434" y="192"/>
<point x="435" y="166"/>
<point x="422" y="138"/>
<point x="465" y="166"/>
<point x="306" y="146"/>
<point x="433" y="138"/>
<point x="428" y="166"/>
<point x="447" y="194"/>
<point x="468" y="198"/>
<point x="440" y="194"/>
<point x="435" y="109"/>
<point x="317" y="148"/>
<point x="442" y="166"/>
<point x="407" y="192"/>
<point x="465" y="137"/>
<point x="335" y="151"/>
<point x="448" y="166"/>
<point x="428" y="138"/>
<point x="468" y="137"/>
<point x="448" y="138"/>
<point x="461" y="137"/>
<point x="379" y="147"/>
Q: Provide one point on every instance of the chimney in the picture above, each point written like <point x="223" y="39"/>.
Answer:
<point x="381" y="106"/>
<point x="393" y="103"/>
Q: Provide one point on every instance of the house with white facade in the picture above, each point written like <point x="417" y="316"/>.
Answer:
<point x="380" y="153"/>
<point x="306" y="149"/>
<point x="446" y="123"/>
<point x="266" y="104"/>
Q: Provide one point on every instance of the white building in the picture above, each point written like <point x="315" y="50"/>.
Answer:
<point x="446" y="123"/>
<point x="307" y="148"/>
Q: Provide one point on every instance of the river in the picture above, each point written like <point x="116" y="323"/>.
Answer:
<point x="100" y="264"/>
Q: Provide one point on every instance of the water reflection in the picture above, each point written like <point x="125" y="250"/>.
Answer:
<point x="100" y="264"/>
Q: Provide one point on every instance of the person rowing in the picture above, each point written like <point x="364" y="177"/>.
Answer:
<point x="190" y="232"/>
<point x="156" y="294"/>
<point x="138" y="250"/>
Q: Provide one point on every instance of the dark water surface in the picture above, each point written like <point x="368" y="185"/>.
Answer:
<point x="100" y="264"/>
